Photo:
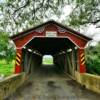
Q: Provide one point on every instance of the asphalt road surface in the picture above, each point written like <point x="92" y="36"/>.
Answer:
<point x="48" y="84"/>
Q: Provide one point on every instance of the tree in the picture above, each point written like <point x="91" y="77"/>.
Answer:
<point x="85" y="12"/>
<point x="18" y="15"/>
<point x="93" y="59"/>
<point x="3" y="44"/>
<point x="6" y="48"/>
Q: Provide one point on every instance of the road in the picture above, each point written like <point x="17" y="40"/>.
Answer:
<point x="52" y="86"/>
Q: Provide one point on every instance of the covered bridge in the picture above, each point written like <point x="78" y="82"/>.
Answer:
<point x="50" y="38"/>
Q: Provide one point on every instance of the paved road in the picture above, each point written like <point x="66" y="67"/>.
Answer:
<point x="53" y="86"/>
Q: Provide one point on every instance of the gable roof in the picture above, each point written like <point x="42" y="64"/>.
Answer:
<point x="21" y="34"/>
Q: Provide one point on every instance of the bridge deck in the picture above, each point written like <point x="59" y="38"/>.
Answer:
<point x="53" y="86"/>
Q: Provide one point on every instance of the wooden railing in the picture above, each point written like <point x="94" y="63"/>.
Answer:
<point x="10" y="84"/>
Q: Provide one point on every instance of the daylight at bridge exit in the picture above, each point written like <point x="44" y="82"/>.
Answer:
<point x="48" y="51"/>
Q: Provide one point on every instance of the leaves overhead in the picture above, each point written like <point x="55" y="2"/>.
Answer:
<point x="22" y="14"/>
<point x="85" y="12"/>
<point x="19" y="15"/>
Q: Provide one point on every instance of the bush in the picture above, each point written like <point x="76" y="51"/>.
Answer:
<point x="93" y="59"/>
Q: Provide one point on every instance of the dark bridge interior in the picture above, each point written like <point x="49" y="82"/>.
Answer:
<point x="64" y="54"/>
<point x="50" y="45"/>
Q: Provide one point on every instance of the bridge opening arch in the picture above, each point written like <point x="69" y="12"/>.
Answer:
<point x="62" y="50"/>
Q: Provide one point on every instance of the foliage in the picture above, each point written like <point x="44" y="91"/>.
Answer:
<point x="6" y="48"/>
<point x="6" y="69"/>
<point x="85" y="12"/>
<point x="22" y="14"/>
<point x="93" y="59"/>
<point x="18" y="15"/>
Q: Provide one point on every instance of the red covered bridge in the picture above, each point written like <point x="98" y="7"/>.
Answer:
<point x="50" y="38"/>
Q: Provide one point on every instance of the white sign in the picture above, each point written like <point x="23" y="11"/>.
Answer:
<point x="51" y="34"/>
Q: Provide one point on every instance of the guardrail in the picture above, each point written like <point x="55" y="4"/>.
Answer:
<point x="91" y="82"/>
<point x="10" y="84"/>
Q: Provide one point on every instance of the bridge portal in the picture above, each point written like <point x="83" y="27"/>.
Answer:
<point x="51" y="38"/>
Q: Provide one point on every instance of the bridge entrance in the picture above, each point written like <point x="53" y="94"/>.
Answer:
<point x="51" y="38"/>
<point x="63" y="51"/>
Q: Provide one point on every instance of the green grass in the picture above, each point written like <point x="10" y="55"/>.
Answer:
<point x="48" y="61"/>
<point x="6" y="69"/>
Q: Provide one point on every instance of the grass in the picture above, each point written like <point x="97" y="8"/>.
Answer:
<point x="47" y="61"/>
<point x="6" y="69"/>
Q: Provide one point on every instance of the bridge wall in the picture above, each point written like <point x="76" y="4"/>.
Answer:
<point x="90" y="81"/>
<point x="10" y="84"/>
<point x="30" y="61"/>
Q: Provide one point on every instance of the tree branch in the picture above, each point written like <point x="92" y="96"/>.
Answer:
<point x="95" y="22"/>
<point x="27" y="2"/>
